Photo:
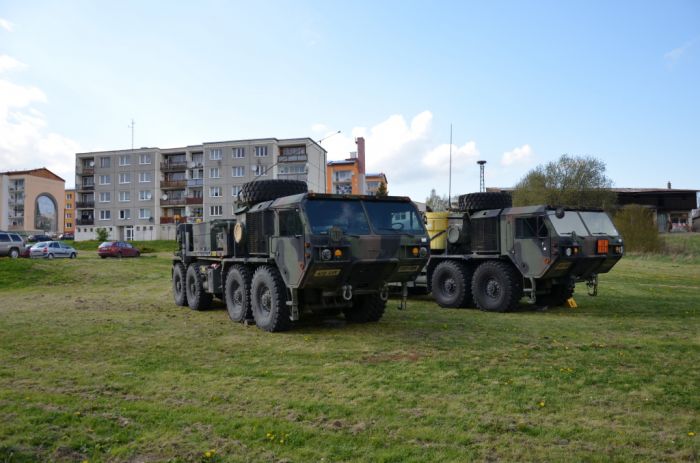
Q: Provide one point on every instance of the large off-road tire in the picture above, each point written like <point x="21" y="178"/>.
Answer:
<point x="266" y="190"/>
<point x="558" y="295"/>
<point x="451" y="284"/>
<point x="237" y="293"/>
<point x="365" y="308"/>
<point x="473" y="202"/>
<point x="268" y="301"/>
<point x="496" y="287"/>
<point x="179" y="292"/>
<point x="197" y="298"/>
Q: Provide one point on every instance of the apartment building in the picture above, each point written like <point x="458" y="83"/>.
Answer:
<point x="372" y="182"/>
<point x="69" y="212"/>
<point x="143" y="194"/>
<point x="31" y="201"/>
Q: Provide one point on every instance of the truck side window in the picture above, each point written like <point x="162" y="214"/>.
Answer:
<point x="290" y="223"/>
<point x="530" y="227"/>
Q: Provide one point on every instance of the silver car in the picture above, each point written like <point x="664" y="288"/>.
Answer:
<point x="51" y="249"/>
<point x="11" y="244"/>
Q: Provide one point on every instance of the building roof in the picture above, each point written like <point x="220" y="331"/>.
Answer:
<point x="40" y="172"/>
<point x="344" y="161"/>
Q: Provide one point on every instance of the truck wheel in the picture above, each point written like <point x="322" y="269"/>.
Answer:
<point x="267" y="297"/>
<point x="14" y="253"/>
<point x="197" y="297"/>
<point x="267" y="190"/>
<point x="451" y="284"/>
<point x="237" y="293"/>
<point x="178" y="284"/>
<point x="496" y="287"/>
<point x="473" y="202"/>
<point x="365" y="308"/>
<point x="558" y="296"/>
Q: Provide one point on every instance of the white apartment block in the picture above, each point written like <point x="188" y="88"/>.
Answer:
<point x="142" y="194"/>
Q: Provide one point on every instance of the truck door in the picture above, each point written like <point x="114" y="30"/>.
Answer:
<point x="288" y="246"/>
<point x="531" y="245"/>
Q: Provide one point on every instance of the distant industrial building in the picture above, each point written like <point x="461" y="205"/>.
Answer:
<point x="32" y="201"/>
<point x="143" y="194"/>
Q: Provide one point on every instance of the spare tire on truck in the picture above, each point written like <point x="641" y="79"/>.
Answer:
<point x="267" y="190"/>
<point x="473" y="202"/>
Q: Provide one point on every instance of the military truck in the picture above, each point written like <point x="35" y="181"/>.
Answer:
<point x="489" y="255"/>
<point x="288" y="252"/>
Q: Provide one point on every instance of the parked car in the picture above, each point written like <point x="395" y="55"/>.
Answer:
<point x="66" y="236"/>
<point x="117" y="249"/>
<point x="11" y="244"/>
<point x="38" y="238"/>
<point x="26" y="251"/>
<point x="52" y="249"/>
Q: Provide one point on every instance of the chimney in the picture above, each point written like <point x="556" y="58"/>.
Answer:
<point x="668" y="185"/>
<point x="360" y="141"/>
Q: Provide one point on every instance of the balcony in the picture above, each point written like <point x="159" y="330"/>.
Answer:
<point x="172" y="166"/>
<point x="85" y="204"/>
<point x="171" y="219"/>
<point x="172" y="202"/>
<point x="84" y="170"/>
<point x="88" y="187"/>
<point x="173" y="184"/>
<point x="90" y="221"/>
<point x="192" y="200"/>
<point x="195" y="182"/>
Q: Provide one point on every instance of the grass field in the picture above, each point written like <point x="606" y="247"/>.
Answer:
<point x="98" y="364"/>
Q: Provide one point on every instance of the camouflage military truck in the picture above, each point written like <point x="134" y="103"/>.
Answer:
<point x="288" y="252"/>
<point x="489" y="255"/>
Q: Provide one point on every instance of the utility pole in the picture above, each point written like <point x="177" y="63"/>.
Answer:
<point x="132" y="133"/>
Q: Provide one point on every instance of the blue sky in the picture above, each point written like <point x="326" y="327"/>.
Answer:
<point x="520" y="82"/>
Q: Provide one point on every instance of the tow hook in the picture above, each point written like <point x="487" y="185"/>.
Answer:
<point x="592" y="285"/>
<point x="384" y="293"/>
<point x="347" y="292"/>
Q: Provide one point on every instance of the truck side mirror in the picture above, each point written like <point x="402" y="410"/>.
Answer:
<point x="559" y="213"/>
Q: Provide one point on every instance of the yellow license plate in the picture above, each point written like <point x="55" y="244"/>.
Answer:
<point x="331" y="272"/>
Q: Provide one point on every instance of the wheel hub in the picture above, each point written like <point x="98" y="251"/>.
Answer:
<point x="493" y="289"/>
<point x="449" y="286"/>
<point x="266" y="300"/>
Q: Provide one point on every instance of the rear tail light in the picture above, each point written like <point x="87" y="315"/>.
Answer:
<point x="602" y="246"/>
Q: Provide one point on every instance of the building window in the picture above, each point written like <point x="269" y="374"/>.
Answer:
<point x="144" y="213"/>
<point x="105" y="196"/>
<point x="105" y="215"/>
<point x="238" y="153"/>
<point x="105" y="179"/>
<point x="238" y="171"/>
<point x="125" y="177"/>
<point x="235" y="190"/>
<point x="125" y="214"/>
<point x="215" y="192"/>
<point x="216" y="210"/>
<point x="260" y="151"/>
<point x="69" y="196"/>
<point x="69" y="216"/>
<point x="145" y="195"/>
<point x="124" y="159"/>
<point x="343" y="176"/>
<point x="105" y="163"/>
<point x="293" y="169"/>
<point x="215" y="154"/>
<point x="69" y="205"/>
<point x="145" y="177"/>
<point x="214" y="172"/>
<point x="343" y="189"/>
<point x="260" y="170"/>
<point x="124" y="196"/>
<point x="145" y="158"/>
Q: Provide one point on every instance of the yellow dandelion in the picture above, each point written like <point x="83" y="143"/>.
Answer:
<point x="541" y="404"/>
<point x="77" y="413"/>
<point x="691" y="433"/>
<point x="207" y="454"/>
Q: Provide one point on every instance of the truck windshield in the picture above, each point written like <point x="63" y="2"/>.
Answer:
<point x="571" y="222"/>
<point x="599" y="223"/>
<point x="349" y="216"/>
<point x="394" y="217"/>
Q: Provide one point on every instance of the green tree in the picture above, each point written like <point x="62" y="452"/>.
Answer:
<point x="102" y="234"/>
<point x="435" y="202"/>
<point x="381" y="190"/>
<point x="573" y="181"/>
<point x="637" y="227"/>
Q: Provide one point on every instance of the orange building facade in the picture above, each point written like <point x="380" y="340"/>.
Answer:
<point x="69" y="212"/>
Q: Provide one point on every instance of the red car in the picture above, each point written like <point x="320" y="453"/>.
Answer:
<point x="117" y="249"/>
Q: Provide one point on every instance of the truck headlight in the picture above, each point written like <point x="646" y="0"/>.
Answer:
<point x="414" y="251"/>
<point x="568" y="252"/>
<point x="423" y="252"/>
<point x="326" y="254"/>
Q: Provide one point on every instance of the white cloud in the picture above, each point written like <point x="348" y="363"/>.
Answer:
<point x="517" y="156"/>
<point x="408" y="154"/>
<point x="673" y="56"/>
<point x="8" y="63"/>
<point x="7" y="25"/>
<point x="25" y="141"/>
